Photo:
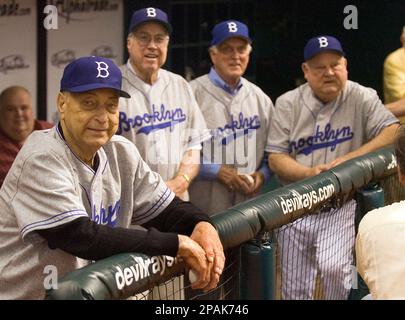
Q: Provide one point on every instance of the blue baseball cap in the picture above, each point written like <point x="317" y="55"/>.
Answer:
<point x="322" y="43"/>
<point x="228" y="29"/>
<point x="149" y="15"/>
<point x="90" y="73"/>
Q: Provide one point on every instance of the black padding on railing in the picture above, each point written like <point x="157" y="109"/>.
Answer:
<point x="116" y="277"/>
<point x="236" y="225"/>
<point x="119" y="277"/>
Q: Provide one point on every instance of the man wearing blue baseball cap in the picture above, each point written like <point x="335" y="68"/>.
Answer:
<point x="315" y="127"/>
<point x="74" y="190"/>
<point x="162" y="118"/>
<point x="238" y="114"/>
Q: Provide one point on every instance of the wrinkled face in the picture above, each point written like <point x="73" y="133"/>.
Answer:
<point x="231" y="59"/>
<point x="88" y="119"/>
<point x="17" y="116"/>
<point x="147" y="47"/>
<point x="326" y="74"/>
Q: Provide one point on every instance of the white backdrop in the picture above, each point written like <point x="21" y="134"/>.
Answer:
<point x="18" y="45"/>
<point x="84" y="30"/>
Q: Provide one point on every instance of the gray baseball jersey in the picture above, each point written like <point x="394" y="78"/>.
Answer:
<point x="48" y="186"/>
<point x="239" y="127"/>
<point x="162" y="120"/>
<point x="313" y="133"/>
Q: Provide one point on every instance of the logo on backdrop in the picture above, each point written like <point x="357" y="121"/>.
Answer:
<point x="104" y="51"/>
<point x="13" y="8"/>
<point x="62" y="57"/>
<point x="12" y="62"/>
<point x="68" y="9"/>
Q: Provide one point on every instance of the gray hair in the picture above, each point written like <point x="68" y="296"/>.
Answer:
<point x="214" y="48"/>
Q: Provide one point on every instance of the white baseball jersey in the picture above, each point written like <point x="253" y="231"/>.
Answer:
<point x="239" y="127"/>
<point x="315" y="133"/>
<point x="380" y="246"/>
<point x="48" y="186"/>
<point x="162" y="120"/>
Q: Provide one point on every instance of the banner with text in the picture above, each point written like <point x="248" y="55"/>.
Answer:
<point x="18" y="48"/>
<point x="84" y="28"/>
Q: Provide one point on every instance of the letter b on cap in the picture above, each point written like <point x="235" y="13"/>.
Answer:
<point x="232" y="27"/>
<point x="151" y="12"/>
<point x="102" y="69"/>
<point x="323" y="42"/>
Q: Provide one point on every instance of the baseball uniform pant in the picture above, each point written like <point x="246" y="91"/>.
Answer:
<point x="318" y="245"/>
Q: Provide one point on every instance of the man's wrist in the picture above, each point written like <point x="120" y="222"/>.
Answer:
<point x="205" y="222"/>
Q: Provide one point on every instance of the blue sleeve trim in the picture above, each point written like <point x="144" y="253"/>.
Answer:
<point x="384" y="125"/>
<point x="208" y="171"/>
<point x="276" y="149"/>
<point x="166" y="194"/>
<point x="265" y="169"/>
<point x="52" y="220"/>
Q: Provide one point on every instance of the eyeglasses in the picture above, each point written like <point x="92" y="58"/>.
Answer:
<point x="145" y="39"/>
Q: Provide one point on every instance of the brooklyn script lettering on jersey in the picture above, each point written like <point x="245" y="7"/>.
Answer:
<point x="322" y="139"/>
<point x="158" y="119"/>
<point x="236" y="128"/>
<point x="106" y="216"/>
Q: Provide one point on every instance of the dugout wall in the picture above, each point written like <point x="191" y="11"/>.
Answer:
<point x="250" y="220"/>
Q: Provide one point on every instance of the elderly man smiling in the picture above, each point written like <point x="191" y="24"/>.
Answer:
<point x="162" y="117"/>
<point x="315" y="127"/>
<point x="17" y="122"/>
<point x="74" y="190"/>
<point x="238" y="114"/>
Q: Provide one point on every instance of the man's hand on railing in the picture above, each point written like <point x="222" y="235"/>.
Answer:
<point x="195" y="258"/>
<point x="207" y="237"/>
